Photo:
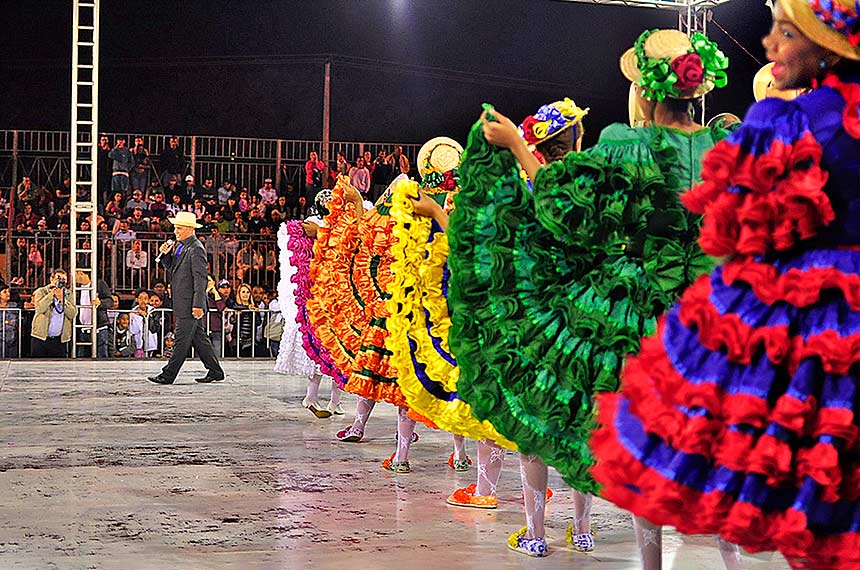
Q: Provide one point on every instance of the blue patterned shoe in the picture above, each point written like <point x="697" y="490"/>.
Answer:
<point x="580" y="542"/>
<point x="529" y="546"/>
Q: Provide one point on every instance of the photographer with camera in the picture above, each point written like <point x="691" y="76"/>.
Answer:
<point x="54" y="318"/>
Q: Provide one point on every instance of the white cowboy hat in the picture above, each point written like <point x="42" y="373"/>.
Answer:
<point x="187" y="219"/>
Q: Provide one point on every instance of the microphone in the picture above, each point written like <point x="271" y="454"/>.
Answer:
<point x="168" y="243"/>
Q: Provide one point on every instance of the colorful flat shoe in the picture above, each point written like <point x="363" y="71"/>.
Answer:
<point x="336" y="410"/>
<point x="466" y="497"/>
<point x="580" y="542"/>
<point x="459" y="465"/>
<point x="316" y="409"/>
<point x="396" y="466"/>
<point x="350" y="435"/>
<point x="529" y="546"/>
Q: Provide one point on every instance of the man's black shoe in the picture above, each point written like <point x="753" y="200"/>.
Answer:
<point x="207" y="379"/>
<point x="160" y="379"/>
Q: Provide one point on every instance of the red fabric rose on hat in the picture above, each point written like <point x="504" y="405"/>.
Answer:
<point x="529" y="129"/>
<point x="690" y="72"/>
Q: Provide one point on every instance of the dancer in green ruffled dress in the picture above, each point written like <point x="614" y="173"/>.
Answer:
<point x="551" y="288"/>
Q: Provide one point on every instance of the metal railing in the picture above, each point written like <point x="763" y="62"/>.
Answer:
<point x="44" y="156"/>
<point x="235" y="333"/>
<point x="127" y="267"/>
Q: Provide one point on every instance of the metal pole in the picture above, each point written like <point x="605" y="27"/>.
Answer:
<point x="326" y="118"/>
<point x="278" y="160"/>
<point x="193" y="157"/>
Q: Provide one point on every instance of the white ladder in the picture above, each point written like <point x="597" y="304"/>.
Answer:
<point x="84" y="160"/>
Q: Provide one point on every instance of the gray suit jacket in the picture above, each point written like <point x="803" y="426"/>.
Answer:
<point x="187" y="275"/>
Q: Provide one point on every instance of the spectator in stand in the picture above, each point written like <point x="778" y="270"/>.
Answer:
<point x="314" y="174"/>
<point x="139" y="176"/>
<point x="145" y="342"/>
<point x="122" y="161"/>
<point x="42" y="229"/>
<point x="398" y="162"/>
<point x="122" y="343"/>
<point x="172" y="162"/>
<point x="103" y="302"/>
<point x="217" y="305"/>
<point x="341" y="166"/>
<point x="208" y="195"/>
<point x="158" y="209"/>
<point x="290" y="207"/>
<point x="44" y="202"/>
<point x="63" y="194"/>
<point x="104" y="164"/>
<point x="176" y="206"/>
<point x="258" y="294"/>
<point x="244" y="201"/>
<point x="136" y="201"/>
<point x="199" y="209"/>
<point x="34" y="262"/>
<point x="274" y="220"/>
<point x="154" y="231"/>
<point x="274" y="329"/>
<point x="10" y="313"/>
<point x="225" y="290"/>
<point x="256" y="222"/>
<point x="231" y="249"/>
<point x="214" y="245"/>
<point x="239" y="226"/>
<point x="19" y="257"/>
<point x="136" y="263"/>
<point x="380" y="176"/>
<point x="122" y="233"/>
<point x="54" y="318"/>
<point x="268" y="195"/>
<point x="156" y="316"/>
<point x="359" y="177"/>
<point x="246" y="319"/>
<point x="248" y="262"/>
<point x="27" y="218"/>
<point x="232" y="207"/>
<point x="368" y="160"/>
<point x="137" y="222"/>
<point x="219" y="222"/>
<point x="160" y="290"/>
<point x="172" y="189"/>
<point x="26" y="193"/>
<point x="115" y="209"/>
<point x="190" y="191"/>
<point x="226" y="190"/>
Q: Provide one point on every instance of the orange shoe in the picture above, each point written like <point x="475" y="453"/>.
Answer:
<point x="466" y="497"/>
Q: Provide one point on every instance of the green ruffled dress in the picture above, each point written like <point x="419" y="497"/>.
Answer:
<point x="550" y="289"/>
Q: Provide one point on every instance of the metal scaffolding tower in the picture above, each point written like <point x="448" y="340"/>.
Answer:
<point x="693" y="16"/>
<point x="84" y="162"/>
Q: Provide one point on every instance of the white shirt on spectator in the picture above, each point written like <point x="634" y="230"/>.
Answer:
<point x="139" y="327"/>
<point x="267" y="195"/>
<point x="136" y="259"/>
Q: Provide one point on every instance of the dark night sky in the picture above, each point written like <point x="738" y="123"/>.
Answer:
<point x="402" y="70"/>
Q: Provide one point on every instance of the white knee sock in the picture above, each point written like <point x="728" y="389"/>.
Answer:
<point x="491" y="458"/>
<point x="534" y="474"/>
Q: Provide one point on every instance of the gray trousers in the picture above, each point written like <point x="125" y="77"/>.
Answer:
<point x="191" y="332"/>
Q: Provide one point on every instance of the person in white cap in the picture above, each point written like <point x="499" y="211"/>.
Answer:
<point x="185" y="263"/>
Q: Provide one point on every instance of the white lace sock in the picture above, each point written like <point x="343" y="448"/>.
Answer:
<point x="336" y="393"/>
<point x="459" y="447"/>
<point x="534" y="474"/>
<point x="731" y="554"/>
<point x="582" y="512"/>
<point x="313" y="393"/>
<point x="649" y="538"/>
<point x="363" y="407"/>
<point x="491" y="457"/>
<point x="405" y="429"/>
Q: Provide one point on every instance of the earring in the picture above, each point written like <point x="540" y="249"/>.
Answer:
<point x="822" y="64"/>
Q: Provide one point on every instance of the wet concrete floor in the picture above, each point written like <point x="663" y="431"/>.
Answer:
<point x="99" y="469"/>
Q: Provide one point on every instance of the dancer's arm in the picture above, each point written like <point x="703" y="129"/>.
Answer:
<point x="502" y="132"/>
<point x="427" y="207"/>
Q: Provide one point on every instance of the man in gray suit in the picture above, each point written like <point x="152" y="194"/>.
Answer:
<point x="187" y="270"/>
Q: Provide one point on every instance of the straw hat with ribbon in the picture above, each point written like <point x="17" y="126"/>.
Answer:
<point x="550" y="120"/>
<point x="831" y="24"/>
<point x="187" y="219"/>
<point x="438" y="162"/>
<point x="667" y="63"/>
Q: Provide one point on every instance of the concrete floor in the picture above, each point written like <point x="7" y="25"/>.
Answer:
<point x="100" y="469"/>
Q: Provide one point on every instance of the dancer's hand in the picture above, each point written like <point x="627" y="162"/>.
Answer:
<point x="310" y="229"/>
<point x="501" y="132"/>
<point x="426" y="206"/>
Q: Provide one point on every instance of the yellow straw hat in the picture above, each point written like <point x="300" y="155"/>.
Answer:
<point x="440" y="154"/>
<point x="831" y="24"/>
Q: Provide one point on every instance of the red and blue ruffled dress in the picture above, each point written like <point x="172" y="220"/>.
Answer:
<point x="740" y="416"/>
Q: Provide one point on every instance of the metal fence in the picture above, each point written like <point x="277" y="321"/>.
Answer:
<point x="128" y="264"/>
<point x="234" y="333"/>
<point x="44" y="156"/>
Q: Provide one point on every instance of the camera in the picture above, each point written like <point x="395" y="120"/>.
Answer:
<point x="61" y="283"/>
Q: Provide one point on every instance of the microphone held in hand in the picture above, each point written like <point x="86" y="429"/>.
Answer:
<point x="168" y="245"/>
